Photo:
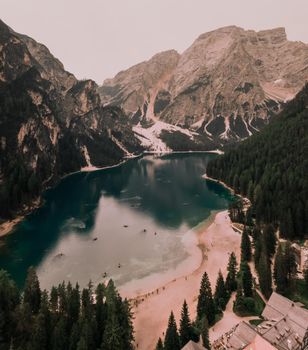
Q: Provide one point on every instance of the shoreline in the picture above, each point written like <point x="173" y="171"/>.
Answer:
<point x="246" y="201"/>
<point x="216" y="240"/>
<point x="206" y="177"/>
<point x="7" y="226"/>
<point x="137" y="289"/>
<point x="215" y="151"/>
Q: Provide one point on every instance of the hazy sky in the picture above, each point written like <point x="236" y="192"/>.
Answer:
<point x="98" y="38"/>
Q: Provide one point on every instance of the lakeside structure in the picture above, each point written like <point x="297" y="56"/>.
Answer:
<point x="284" y="327"/>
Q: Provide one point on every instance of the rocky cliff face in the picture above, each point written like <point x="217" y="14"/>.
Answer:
<point x="51" y="124"/>
<point x="226" y="85"/>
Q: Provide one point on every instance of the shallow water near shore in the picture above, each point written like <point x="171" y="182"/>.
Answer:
<point x="131" y="223"/>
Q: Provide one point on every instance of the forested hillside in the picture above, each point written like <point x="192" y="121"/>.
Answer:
<point x="67" y="318"/>
<point x="51" y="124"/>
<point x="271" y="169"/>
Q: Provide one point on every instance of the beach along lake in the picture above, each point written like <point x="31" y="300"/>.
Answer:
<point x="132" y="223"/>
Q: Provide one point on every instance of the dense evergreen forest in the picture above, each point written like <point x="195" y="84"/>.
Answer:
<point x="67" y="318"/>
<point x="271" y="168"/>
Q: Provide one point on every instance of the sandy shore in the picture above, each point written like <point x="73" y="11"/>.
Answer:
<point x="8" y="226"/>
<point x="152" y="310"/>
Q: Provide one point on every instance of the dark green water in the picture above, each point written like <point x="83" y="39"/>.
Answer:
<point x="79" y="233"/>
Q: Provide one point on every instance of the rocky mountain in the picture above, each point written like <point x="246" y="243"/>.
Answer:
<point x="270" y="168"/>
<point x="51" y="124"/>
<point x="225" y="86"/>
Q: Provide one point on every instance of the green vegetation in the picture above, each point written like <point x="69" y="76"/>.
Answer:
<point x="206" y="307"/>
<point x="284" y="268"/>
<point x="221" y="296"/>
<point x="65" y="318"/>
<point x="269" y="168"/>
<point x="245" y="246"/>
<point x="299" y="292"/>
<point x="187" y="331"/>
<point x="256" y="321"/>
<point x="209" y="310"/>
<point x="205" y="336"/>
<point x="159" y="345"/>
<point x="231" y="282"/>
<point x="248" y="306"/>
<point x="172" y="339"/>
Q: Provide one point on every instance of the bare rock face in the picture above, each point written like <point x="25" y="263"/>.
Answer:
<point x="52" y="68"/>
<point x="136" y="88"/>
<point x="51" y="124"/>
<point x="227" y="84"/>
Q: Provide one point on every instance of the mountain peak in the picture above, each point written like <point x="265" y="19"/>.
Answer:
<point x="228" y="83"/>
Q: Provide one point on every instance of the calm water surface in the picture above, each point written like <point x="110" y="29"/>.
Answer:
<point x="134" y="216"/>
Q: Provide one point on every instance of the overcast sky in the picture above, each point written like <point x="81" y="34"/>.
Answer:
<point x="98" y="38"/>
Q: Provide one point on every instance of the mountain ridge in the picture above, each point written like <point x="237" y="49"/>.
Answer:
<point x="51" y="124"/>
<point x="226" y="85"/>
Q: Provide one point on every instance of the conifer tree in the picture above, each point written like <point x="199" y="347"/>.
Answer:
<point x="186" y="331"/>
<point x="40" y="334"/>
<point x="245" y="246"/>
<point x="280" y="274"/>
<point x="59" y="336"/>
<point x="172" y="340"/>
<point x="74" y="337"/>
<point x="82" y="344"/>
<point x="32" y="291"/>
<point x="125" y="321"/>
<point x="231" y="283"/>
<point x="59" y="324"/>
<point x="246" y="279"/>
<point x="159" y="345"/>
<point x="54" y="299"/>
<point x="285" y="268"/>
<point x="100" y="311"/>
<point x="73" y="305"/>
<point x="290" y="263"/>
<point x="205" y="336"/>
<point x="220" y="296"/>
<point x="305" y="272"/>
<point x="112" y="333"/>
<point x="62" y="299"/>
<point x="205" y="306"/>
<point x="269" y="239"/>
<point x="265" y="274"/>
<point x="9" y="300"/>
<point x="87" y="336"/>
<point x="238" y="303"/>
<point x="24" y="317"/>
<point x="257" y="244"/>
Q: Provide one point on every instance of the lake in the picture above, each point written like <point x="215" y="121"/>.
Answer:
<point x="130" y="223"/>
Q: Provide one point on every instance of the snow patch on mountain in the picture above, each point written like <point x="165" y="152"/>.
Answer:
<point x="150" y="137"/>
<point x="120" y="145"/>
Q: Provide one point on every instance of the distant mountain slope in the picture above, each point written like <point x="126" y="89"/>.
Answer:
<point x="226" y="85"/>
<point x="51" y="124"/>
<point x="271" y="168"/>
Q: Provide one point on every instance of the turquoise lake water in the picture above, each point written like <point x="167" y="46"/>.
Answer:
<point x="125" y="223"/>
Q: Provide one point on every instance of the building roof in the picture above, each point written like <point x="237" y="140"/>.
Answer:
<point x="191" y="345"/>
<point x="285" y="327"/>
<point x="237" y="338"/>
<point x="259" y="343"/>
<point x="286" y="322"/>
<point x="279" y="306"/>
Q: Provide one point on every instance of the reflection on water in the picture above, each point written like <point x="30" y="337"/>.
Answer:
<point x="127" y="222"/>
